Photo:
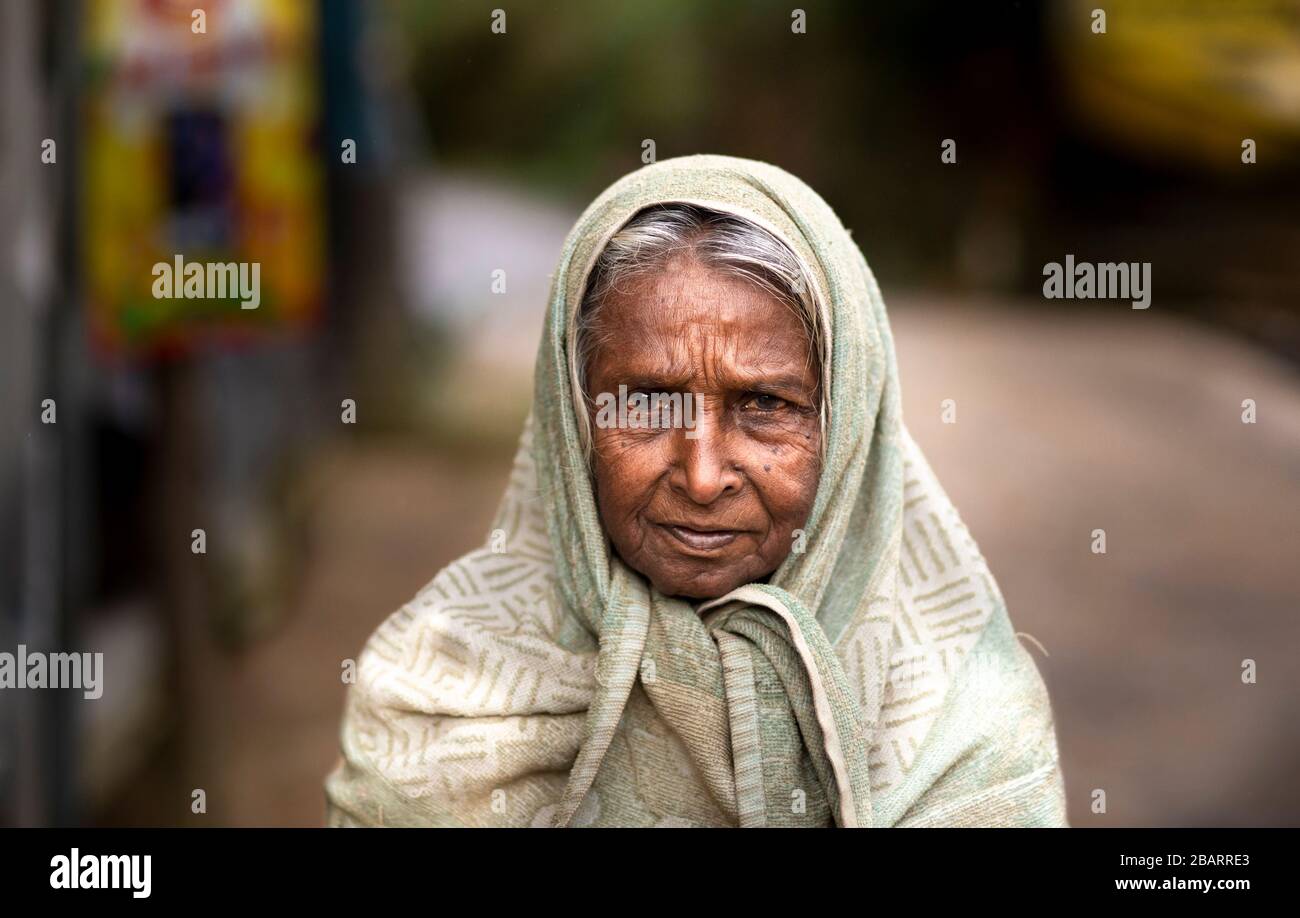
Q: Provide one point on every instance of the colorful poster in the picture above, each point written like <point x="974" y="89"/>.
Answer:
<point x="201" y="186"/>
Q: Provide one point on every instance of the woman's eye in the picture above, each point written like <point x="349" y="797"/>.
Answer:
<point x="764" y="402"/>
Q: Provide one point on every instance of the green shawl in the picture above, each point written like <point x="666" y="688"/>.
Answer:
<point x="874" y="680"/>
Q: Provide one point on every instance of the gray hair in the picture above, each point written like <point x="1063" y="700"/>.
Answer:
<point x="727" y="243"/>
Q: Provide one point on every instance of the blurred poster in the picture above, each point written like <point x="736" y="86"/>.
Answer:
<point x="201" y="179"/>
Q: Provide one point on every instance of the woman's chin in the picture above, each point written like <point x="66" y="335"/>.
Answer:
<point x="701" y="587"/>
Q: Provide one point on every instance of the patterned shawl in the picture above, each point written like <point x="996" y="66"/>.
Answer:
<point x="874" y="680"/>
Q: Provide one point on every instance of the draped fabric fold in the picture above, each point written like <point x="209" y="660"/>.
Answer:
<point x="783" y="722"/>
<point x="873" y="680"/>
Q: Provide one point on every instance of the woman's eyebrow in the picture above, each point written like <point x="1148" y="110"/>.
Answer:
<point x="657" y="381"/>
<point x="763" y="382"/>
<point x="735" y="381"/>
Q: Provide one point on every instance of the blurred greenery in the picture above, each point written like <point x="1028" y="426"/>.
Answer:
<point x="858" y="107"/>
<point x="565" y="98"/>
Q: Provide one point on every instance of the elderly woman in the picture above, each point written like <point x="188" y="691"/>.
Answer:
<point x="752" y="605"/>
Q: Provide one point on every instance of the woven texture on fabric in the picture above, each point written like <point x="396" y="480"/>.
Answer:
<point x="874" y="680"/>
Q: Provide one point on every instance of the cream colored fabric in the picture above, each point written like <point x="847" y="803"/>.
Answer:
<point x="875" y="680"/>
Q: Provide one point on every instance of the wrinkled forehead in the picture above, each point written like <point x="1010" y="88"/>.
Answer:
<point x="717" y="189"/>
<point x="680" y="328"/>
<point x="683" y="290"/>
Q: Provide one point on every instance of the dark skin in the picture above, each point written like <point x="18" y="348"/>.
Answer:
<point x="700" y="517"/>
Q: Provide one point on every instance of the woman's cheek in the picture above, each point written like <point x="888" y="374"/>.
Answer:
<point x="625" y="473"/>
<point x="790" y="494"/>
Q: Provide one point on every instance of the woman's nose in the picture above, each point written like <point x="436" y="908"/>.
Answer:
<point x="703" y="469"/>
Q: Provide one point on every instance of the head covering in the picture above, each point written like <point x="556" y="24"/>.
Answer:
<point x="873" y="680"/>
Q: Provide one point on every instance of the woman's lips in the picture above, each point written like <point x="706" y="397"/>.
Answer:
<point x="701" y="540"/>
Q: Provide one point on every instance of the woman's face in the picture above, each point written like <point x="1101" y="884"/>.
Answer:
<point x="699" y="516"/>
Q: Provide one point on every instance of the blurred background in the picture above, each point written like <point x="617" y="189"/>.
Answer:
<point x="405" y="174"/>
